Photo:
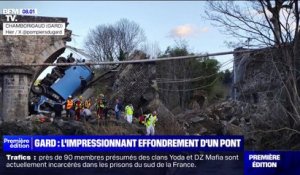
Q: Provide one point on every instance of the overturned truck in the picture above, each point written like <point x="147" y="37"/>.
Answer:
<point x="56" y="86"/>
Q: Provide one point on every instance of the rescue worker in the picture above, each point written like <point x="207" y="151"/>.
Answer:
<point x="58" y="107"/>
<point x="100" y="108"/>
<point x="150" y="120"/>
<point x="86" y="114"/>
<point x="69" y="107"/>
<point x="83" y="84"/>
<point x="118" y="108"/>
<point x="142" y="119"/>
<point x="78" y="108"/>
<point x="87" y="104"/>
<point x="105" y="108"/>
<point x="129" y="113"/>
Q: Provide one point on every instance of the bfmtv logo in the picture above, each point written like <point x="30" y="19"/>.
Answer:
<point x="11" y="14"/>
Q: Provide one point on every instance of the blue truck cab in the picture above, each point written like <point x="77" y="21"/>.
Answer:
<point x="72" y="81"/>
<point x="56" y="89"/>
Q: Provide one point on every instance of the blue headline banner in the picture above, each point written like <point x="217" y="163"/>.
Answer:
<point x="121" y="143"/>
<point x="271" y="162"/>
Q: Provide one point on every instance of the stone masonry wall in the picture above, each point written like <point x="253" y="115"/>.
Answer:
<point x="134" y="83"/>
<point x="15" y="96"/>
<point x="256" y="78"/>
<point x="29" y="49"/>
<point x="15" y="81"/>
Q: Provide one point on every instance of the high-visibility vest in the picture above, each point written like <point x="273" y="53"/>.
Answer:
<point x="100" y="104"/>
<point x="129" y="110"/>
<point x="150" y="120"/>
<point x="69" y="104"/>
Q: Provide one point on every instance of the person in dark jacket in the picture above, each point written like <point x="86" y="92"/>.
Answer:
<point x="58" y="107"/>
<point x="118" y="108"/>
<point x="83" y="84"/>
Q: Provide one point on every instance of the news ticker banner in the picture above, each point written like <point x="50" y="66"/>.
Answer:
<point x="196" y="149"/>
<point x="272" y="162"/>
<point x="121" y="143"/>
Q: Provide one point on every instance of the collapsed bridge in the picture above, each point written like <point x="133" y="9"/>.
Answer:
<point x="23" y="58"/>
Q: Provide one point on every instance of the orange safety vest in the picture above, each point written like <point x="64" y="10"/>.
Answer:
<point x="69" y="104"/>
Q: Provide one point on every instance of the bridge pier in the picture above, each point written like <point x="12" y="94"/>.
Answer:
<point x="14" y="90"/>
<point x="15" y="82"/>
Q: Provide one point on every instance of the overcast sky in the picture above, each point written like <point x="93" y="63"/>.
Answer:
<point x="163" y="22"/>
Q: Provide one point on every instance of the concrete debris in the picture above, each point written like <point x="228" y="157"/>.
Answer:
<point x="203" y="131"/>
<point x="39" y="118"/>
<point x="221" y="118"/>
<point x="231" y="129"/>
<point x="197" y="119"/>
<point x="241" y="118"/>
<point x="194" y="105"/>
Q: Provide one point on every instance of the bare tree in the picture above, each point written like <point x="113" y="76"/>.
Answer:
<point x="101" y="43"/>
<point x="266" y="23"/>
<point x="114" y="42"/>
<point x="261" y="22"/>
<point x="129" y="35"/>
<point x="151" y="49"/>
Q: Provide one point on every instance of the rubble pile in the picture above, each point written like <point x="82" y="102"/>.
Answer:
<point x="69" y="127"/>
<point x="261" y="125"/>
<point x="229" y="117"/>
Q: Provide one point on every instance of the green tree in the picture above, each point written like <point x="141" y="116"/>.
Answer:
<point x="180" y="80"/>
<point x="226" y="77"/>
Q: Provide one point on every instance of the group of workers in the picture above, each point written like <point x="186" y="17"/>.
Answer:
<point x="78" y="109"/>
<point x="149" y="120"/>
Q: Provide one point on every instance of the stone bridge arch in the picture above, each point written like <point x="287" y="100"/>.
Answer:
<point x="48" y="55"/>
<point x="15" y="82"/>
